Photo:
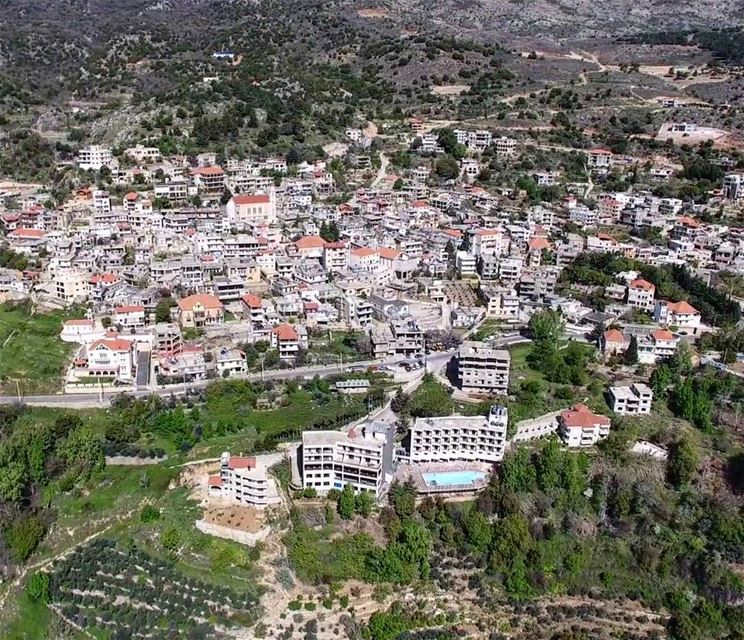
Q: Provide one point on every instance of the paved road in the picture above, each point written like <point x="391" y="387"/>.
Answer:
<point x="86" y="400"/>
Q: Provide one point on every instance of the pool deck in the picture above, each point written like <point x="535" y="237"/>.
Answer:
<point x="415" y="473"/>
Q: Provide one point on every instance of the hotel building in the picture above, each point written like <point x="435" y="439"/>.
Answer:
<point x="460" y="438"/>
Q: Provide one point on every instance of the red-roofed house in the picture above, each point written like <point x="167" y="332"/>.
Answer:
<point x="252" y="307"/>
<point x="251" y="208"/>
<point x="112" y="358"/>
<point x="579" y="427"/>
<point x="310" y="247"/>
<point x="244" y="480"/>
<point x="488" y="241"/>
<point x="131" y="316"/>
<point x="288" y="339"/>
<point x="599" y="159"/>
<point x="640" y="294"/>
<point x="200" y="309"/>
<point x="656" y="346"/>
<point x="677" y="314"/>
<point x="613" y="342"/>
<point x="365" y="259"/>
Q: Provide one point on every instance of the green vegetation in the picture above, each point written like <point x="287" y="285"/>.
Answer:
<point x="32" y="357"/>
<point x="672" y="283"/>
<point x="157" y="595"/>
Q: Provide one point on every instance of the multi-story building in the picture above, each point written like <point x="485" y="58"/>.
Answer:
<point x="244" y="480"/>
<point x="408" y="339"/>
<point x="288" y="340"/>
<point x="483" y="369"/>
<point x="579" y="427"/>
<point x="633" y="400"/>
<point x="463" y="438"/>
<point x="677" y="314"/>
<point x="94" y="158"/>
<point x="209" y="180"/>
<point x="505" y="147"/>
<point x="129" y="316"/>
<point x="641" y="294"/>
<point x="111" y="358"/>
<point x="335" y="257"/>
<point x="72" y="285"/>
<point x="363" y="458"/>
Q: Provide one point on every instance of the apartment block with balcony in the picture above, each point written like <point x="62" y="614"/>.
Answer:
<point x="244" y="480"/>
<point x="631" y="400"/>
<point x="460" y="438"/>
<point x="483" y="369"/>
<point x="363" y="458"/>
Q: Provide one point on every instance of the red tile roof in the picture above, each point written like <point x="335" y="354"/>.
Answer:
<point x="285" y="332"/>
<point x="252" y="301"/>
<point x="613" y="335"/>
<point x="310" y="242"/>
<point x="538" y="244"/>
<point x="640" y="283"/>
<point x="662" y="334"/>
<point x="236" y="462"/>
<point x="112" y="344"/>
<point x="22" y="232"/>
<point x="246" y="198"/>
<point x="581" y="416"/>
<point x="682" y="307"/>
<point x="389" y="254"/>
<point x="207" y="300"/>
<point x="130" y="308"/>
<point x="207" y="171"/>
<point x="215" y="481"/>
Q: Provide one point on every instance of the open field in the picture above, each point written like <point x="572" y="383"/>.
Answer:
<point x="32" y="357"/>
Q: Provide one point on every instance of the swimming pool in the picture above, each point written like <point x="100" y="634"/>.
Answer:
<point x="453" y="478"/>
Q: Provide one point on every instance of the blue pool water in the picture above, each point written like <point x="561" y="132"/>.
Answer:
<point x="451" y="478"/>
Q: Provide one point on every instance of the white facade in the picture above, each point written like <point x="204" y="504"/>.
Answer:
<point x="632" y="400"/>
<point x="94" y="158"/>
<point x="362" y="457"/>
<point x="244" y="480"/>
<point x="452" y="438"/>
<point x="482" y="369"/>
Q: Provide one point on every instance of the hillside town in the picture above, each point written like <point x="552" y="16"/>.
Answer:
<point x="393" y="347"/>
<point x="197" y="259"/>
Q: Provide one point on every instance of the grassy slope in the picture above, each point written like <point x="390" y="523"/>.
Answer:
<point x="31" y="351"/>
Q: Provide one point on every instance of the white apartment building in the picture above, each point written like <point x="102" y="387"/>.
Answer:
<point x="641" y="294"/>
<point x="483" y="369"/>
<point x="94" y="158"/>
<point x="363" y="458"/>
<point x="140" y="153"/>
<point x="489" y="241"/>
<point x="101" y="202"/>
<point x="129" y="316"/>
<point x="463" y="438"/>
<point x="72" y="285"/>
<point x="335" y="256"/>
<point x="632" y="400"/>
<point x="244" y="480"/>
<point x="505" y="147"/>
<point x="466" y="264"/>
